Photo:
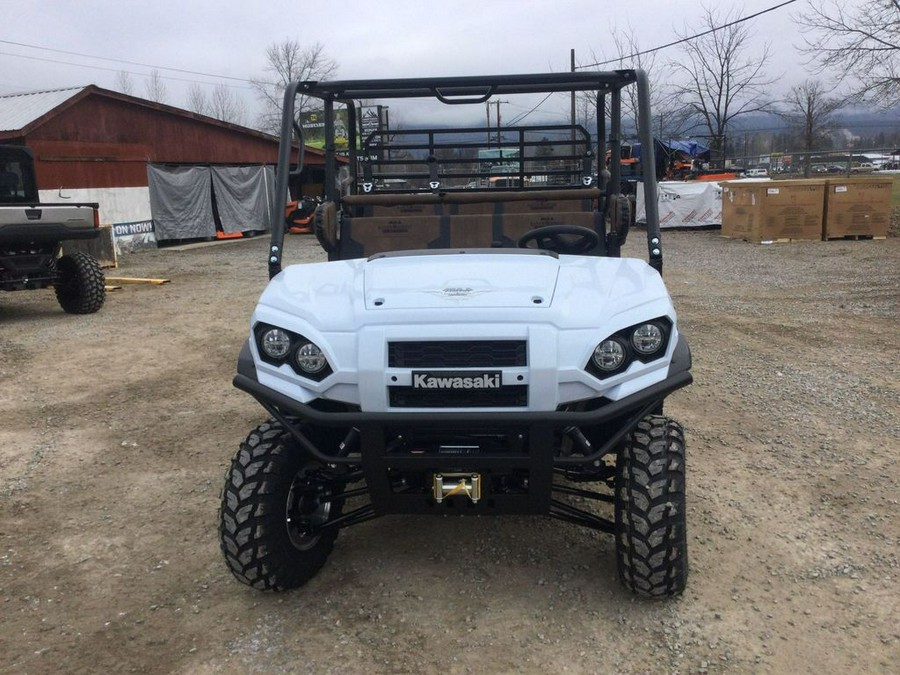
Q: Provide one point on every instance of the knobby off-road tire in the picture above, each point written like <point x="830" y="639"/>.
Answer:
<point x="619" y="217"/>
<point x="80" y="286"/>
<point x="268" y="497"/>
<point x="651" y="533"/>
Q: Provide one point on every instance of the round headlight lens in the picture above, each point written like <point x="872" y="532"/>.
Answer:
<point x="275" y="343"/>
<point x="310" y="358"/>
<point x="647" y="338"/>
<point x="609" y="355"/>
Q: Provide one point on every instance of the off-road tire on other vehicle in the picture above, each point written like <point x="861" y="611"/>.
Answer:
<point x="620" y="217"/>
<point x="651" y="534"/>
<point x="80" y="285"/>
<point x="268" y="497"/>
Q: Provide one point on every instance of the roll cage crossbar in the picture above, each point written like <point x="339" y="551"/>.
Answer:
<point x="460" y="91"/>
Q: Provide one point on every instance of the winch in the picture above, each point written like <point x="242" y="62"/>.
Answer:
<point x="450" y="484"/>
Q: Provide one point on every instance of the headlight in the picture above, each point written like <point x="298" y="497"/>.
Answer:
<point x="278" y="346"/>
<point x="309" y="358"/>
<point x="647" y="338"/>
<point x="275" y="343"/>
<point x="609" y="355"/>
<point x="641" y="342"/>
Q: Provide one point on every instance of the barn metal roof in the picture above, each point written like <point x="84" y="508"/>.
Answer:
<point x="17" y="111"/>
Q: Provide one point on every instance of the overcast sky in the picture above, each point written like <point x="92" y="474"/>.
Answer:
<point x="383" y="38"/>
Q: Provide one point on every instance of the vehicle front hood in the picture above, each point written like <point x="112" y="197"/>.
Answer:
<point x="461" y="287"/>
<point x="460" y="280"/>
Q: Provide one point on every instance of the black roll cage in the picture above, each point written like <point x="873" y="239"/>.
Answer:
<point x="461" y="91"/>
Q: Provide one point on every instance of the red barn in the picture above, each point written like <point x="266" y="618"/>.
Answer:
<point x="158" y="172"/>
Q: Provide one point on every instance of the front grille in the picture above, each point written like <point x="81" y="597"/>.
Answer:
<point x="458" y="354"/>
<point x="514" y="396"/>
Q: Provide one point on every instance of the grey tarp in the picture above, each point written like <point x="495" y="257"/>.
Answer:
<point x="181" y="199"/>
<point x="243" y="196"/>
<point x="181" y="202"/>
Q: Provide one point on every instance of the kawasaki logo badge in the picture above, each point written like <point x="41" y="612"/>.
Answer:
<point x="459" y="380"/>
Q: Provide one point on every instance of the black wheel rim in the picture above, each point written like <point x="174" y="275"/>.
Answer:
<point x="307" y="509"/>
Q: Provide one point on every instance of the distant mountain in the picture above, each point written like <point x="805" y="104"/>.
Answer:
<point x="862" y="123"/>
<point x="859" y="122"/>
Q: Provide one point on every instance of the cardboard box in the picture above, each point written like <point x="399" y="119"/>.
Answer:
<point x="473" y="231"/>
<point x="406" y="210"/>
<point x="777" y="210"/>
<point x="544" y="206"/>
<point x="857" y="206"/>
<point x="738" y="209"/>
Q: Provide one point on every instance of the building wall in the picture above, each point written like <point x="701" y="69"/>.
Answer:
<point x="125" y="210"/>
<point x="117" y="205"/>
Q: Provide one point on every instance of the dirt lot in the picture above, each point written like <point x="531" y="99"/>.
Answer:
<point x="117" y="429"/>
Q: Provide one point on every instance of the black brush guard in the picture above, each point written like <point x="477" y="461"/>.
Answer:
<point x="385" y="467"/>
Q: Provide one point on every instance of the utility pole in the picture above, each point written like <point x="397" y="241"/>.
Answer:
<point x="572" y="64"/>
<point x="487" y="108"/>
<point x="387" y="128"/>
<point x="499" y="136"/>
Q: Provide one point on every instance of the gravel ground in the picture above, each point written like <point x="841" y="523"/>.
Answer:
<point x="117" y="429"/>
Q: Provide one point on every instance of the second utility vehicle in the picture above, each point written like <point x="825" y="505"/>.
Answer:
<point x="32" y="236"/>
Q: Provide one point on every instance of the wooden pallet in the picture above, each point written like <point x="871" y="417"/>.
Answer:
<point x="135" y="280"/>
<point x="782" y="240"/>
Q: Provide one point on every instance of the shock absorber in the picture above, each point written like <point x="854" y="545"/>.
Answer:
<point x="350" y="442"/>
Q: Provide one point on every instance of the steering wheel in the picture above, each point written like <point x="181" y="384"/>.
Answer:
<point x="565" y="239"/>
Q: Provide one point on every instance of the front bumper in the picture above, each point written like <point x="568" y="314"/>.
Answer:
<point x="397" y="479"/>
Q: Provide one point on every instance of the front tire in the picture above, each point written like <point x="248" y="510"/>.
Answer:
<point x="651" y="528"/>
<point x="272" y="506"/>
<point x="80" y="286"/>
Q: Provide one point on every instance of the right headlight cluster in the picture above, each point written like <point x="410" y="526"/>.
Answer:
<point x="643" y="342"/>
<point x="277" y="346"/>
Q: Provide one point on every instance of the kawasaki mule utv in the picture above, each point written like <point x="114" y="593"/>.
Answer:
<point x="475" y="344"/>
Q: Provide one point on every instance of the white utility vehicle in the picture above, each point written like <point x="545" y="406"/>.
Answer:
<point x="467" y="349"/>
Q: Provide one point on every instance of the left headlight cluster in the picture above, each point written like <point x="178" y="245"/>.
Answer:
<point x="277" y="346"/>
<point x="646" y="341"/>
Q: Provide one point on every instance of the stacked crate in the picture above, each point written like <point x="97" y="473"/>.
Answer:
<point x="857" y="207"/>
<point x="777" y="210"/>
<point x="807" y="210"/>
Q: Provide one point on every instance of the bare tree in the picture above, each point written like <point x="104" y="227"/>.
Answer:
<point x="226" y="105"/>
<point x="197" y="100"/>
<point x="809" y="110"/>
<point x="125" y="83"/>
<point x="860" y="44"/>
<point x="288" y="61"/>
<point x="670" y="118"/>
<point x="586" y="108"/>
<point x="721" y="82"/>
<point x="664" y="107"/>
<point x="156" y="88"/>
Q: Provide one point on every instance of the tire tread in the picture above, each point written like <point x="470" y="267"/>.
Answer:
<point x="252" y="527"/>
<point x="651" y="539"/>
